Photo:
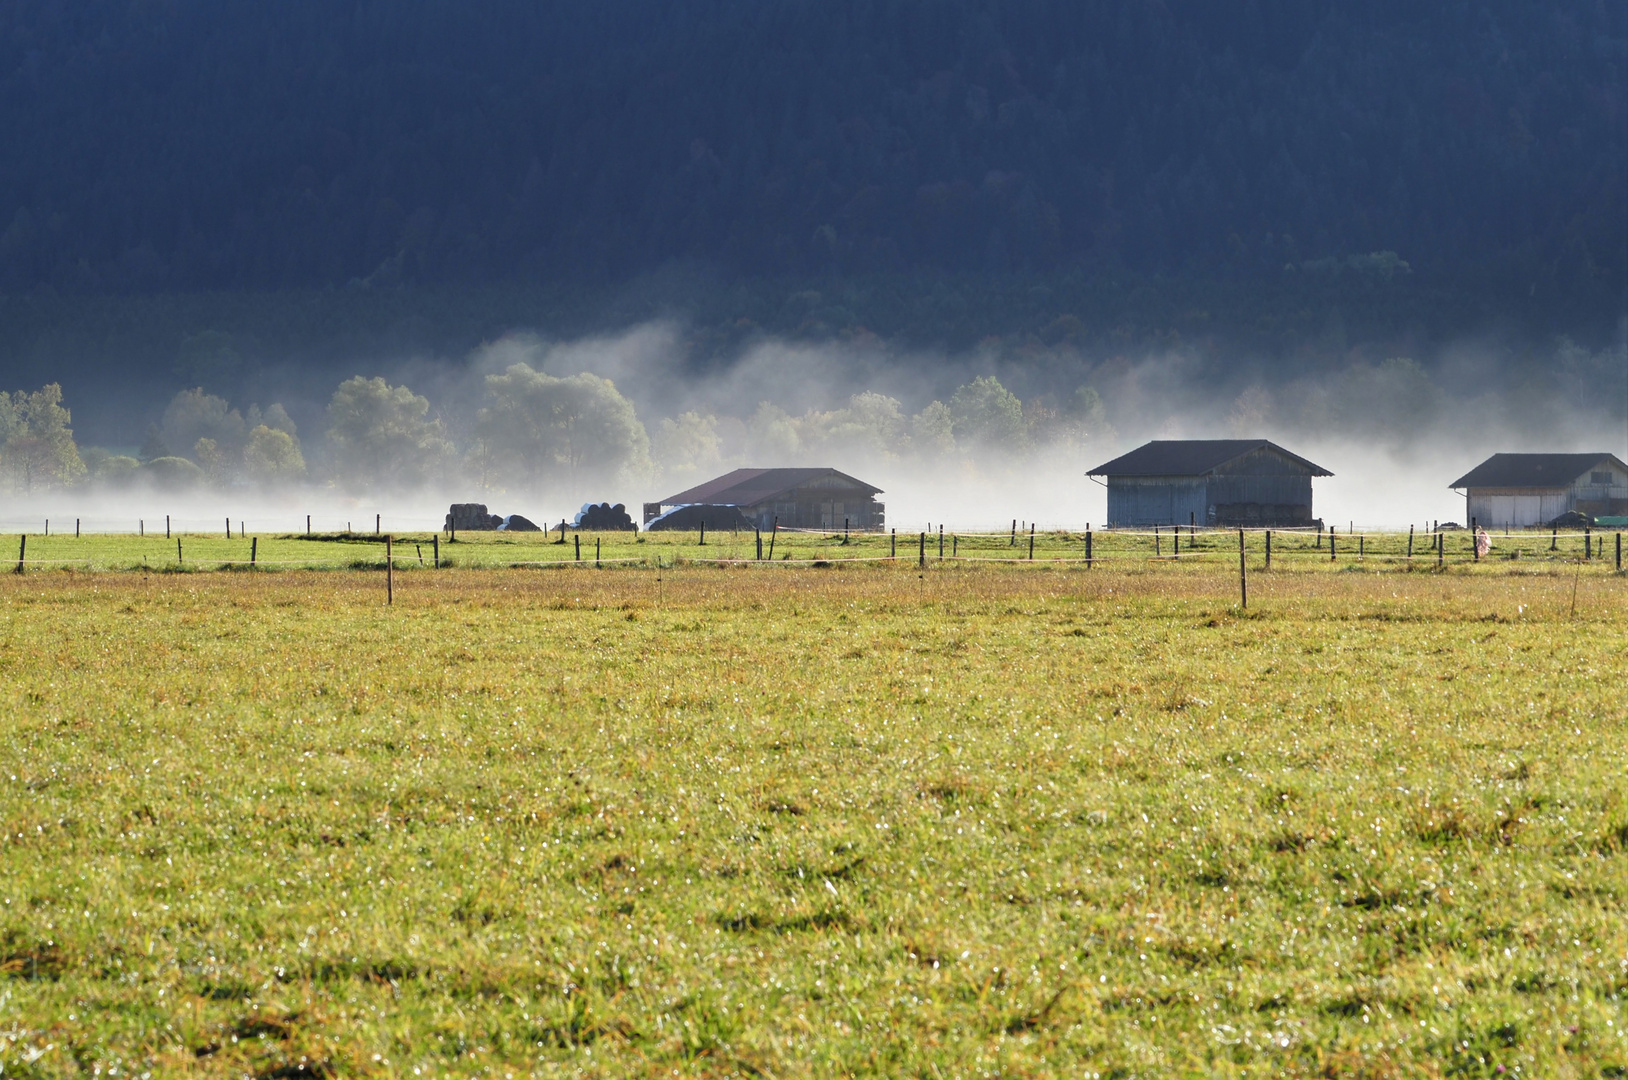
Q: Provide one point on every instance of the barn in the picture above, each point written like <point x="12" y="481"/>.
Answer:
<point x="1233" y="482"/>
<point x="1517" y="490"/>
<point x="797" y="498"/>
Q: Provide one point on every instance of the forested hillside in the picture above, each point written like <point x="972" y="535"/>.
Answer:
<point x="185" y="144"/>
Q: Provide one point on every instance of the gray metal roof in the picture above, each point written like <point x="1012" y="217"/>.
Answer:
<point x="748" y="487"/>
<point x="1532" y="470"/>
<point x="1193" y="457"/>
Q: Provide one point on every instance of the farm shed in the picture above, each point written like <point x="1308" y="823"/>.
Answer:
<point x="1209" y="481"/>
<point x="798" y="498"/>
<point x="1518" y="490"/>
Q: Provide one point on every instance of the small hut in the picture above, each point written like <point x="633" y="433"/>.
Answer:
<point x="1223" y="482"/>
<point x="796" y="498"/>
<point x="1519" y="490"/>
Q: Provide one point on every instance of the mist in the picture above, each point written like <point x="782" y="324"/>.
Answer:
<point x="970" y="441"/>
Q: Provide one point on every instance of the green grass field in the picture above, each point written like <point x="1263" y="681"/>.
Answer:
<point x="973" y="821"/>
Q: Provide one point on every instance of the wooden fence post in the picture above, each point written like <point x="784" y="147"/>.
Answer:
<point x="703" y="542"/>
<point x="921" y="552"/>
<point x="76" y="528"/>
<point x="893" y="545"/>
<point x="389" y="572"/>
<point x="596" y="553"/>
<point x="941" y="540"/>
<point x="1619" y="553"/>
<point x="376" y="518"/>
<point x="1475" y="546"/>
<point x="307" y="524"/>
<point x="1031" y="541"/>
<point x="1156" y="547"/>
<point x="435" y="549"/>
<point x="254" y="551"/>
<point x="1410" y="543"/>
<point x="1440" y="545"/>
<point x="1192" y="525"/>
<point x="955" y="546"/>
<point x="1013" y="542"/>
<point x="1588" y="545"/>
<point x="758" y="534"/>
<point x="1269" y="549"/>
<point x="844" y="530"/>
<point x="1088" y="549"/>
<point x="774" y="534"/>
<point x="1243" y="574"/>
<point x="1331" y="555"/>
<point x="228" y="528"/>
<point x="178" y="559"/>
<point x="141" y="527"/>
<point x="578" y="540"/>
<point x="22" y="551"/>
<point x="166" y="526"/>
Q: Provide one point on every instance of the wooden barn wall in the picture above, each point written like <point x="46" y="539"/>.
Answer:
<point x="1136" y="500"/>
<point x="1266" y="490"/>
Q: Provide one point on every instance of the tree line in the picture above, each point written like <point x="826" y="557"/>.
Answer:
<point x="532" y="432"/>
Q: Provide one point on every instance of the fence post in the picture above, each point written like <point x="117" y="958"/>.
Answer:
<point x="376" y="518"/>
<point x="1157" y="552"/>
<point x="1588" y="545"/>
<point x="577" y="539"/>
<point x="228" y="527"/>
<point x="844" y="530"/>
<point x="703" y="542"/>
<point x="141" y="527"/>
<point x="76" y="528"/>
<point x="166" y="526"/>
<point x="47" y="526"/>
<point x="1619" y="553"/>
<point x="1362" y="547"/>
<point x="1269" y="549"/>
<point x="921" y="552"/>
<point x="758" y="533"/>
<point x="389" y="572"/>
<point x="254" y="551"/>
<point x="22" y="551"/>
<point x="893" y="545"/>
<point x="1243" y="574"/>
<point x="774" y="534"/>
<point x="941" y="540"/>
<point x="435" y="549"/>
<point x="1331" y="555"/>
<point x="1031" y="541"/>
<point x="1475" y="547"/>
<point x="1410" y="542"/>
<point x="178" y="559"/>
<point x="1088" y="549"/>
<point x="1554" y="538"/>
<point x="1192" y="525"/>
<point x="596" y="553"/>
<point x="307" y="524"/>
<point x="1013" y="542"/>
<point x="1439" y="546"/>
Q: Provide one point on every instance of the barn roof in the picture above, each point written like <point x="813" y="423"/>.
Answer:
<point x="1192" y="457"/>
<point x="748" y="487"/>
<point x="1532" y="470"/>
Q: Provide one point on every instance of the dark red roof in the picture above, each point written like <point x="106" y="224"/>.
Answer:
<point x="1193" y="457"/>
<point x="1532" y="470"/>
<point x="749" y="487"/>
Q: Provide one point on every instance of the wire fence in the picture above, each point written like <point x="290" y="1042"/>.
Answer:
<point x="1168" y="547"/>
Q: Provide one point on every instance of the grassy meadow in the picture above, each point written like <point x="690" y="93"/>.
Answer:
<point x="701" y="820"/>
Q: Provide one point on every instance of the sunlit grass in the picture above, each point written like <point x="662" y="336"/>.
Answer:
<point x="864" y="819"/>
